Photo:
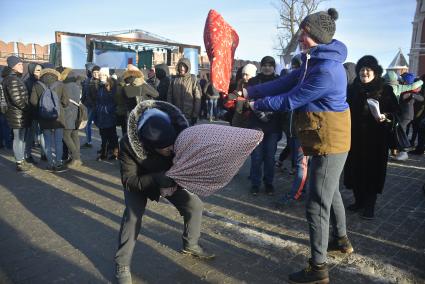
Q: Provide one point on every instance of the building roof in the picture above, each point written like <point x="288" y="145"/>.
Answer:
<point x="399" y="62"/>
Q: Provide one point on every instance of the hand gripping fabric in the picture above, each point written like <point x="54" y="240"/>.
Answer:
<point x="207" y="156"/>
<point x="221" y="41"/>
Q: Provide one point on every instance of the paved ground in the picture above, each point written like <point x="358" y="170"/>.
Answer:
<point x="62" y="228"/>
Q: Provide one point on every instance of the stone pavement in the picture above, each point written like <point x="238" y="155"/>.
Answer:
<point x="63" y="228"/>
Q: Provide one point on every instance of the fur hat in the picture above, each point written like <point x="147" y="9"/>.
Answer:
<point x="321" y="25"/>
<point x="371" y="62"/>
<point x="249" y="69"/>
<point x="268" y="60"/>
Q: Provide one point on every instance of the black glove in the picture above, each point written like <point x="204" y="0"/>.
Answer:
<point x="162" y="181"/>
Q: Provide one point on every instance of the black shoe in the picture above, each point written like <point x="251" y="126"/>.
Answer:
<point x="197" y="251"/>
<point x="342" y="244"/>
<point x="123" y="274"/>
<point x="368" y="214"/>
<point x="23" y="167"/>
<point x="60" y="168"/>
<point x="269" y="189"/>
<point x="354" y="207"/>
<point x="31" y="160"/>
<point x="416" y="152"/>
<point x="255" y="190"/>
<point x="313" y="274"/>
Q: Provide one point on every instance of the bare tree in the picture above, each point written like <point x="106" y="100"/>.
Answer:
<point x="291" y="13"/>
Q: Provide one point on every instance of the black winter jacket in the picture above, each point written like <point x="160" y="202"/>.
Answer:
<point x="142" y="170"/>
<point x="18" y="114"/>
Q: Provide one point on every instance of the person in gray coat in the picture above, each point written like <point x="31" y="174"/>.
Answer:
<point x="72" y="89"/>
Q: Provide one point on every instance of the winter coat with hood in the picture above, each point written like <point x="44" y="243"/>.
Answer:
<point x="136" y="89"/>
<point x="317" y="92"/>
<point x="18" y="113"/>
<point x="184" y="92"/>
<point x="50" y="78"/>
<point x="140" y="166"/>
<point x="105" y="115"/>
<point x="30" y="81"/>
<point x="163" y="74"/>
<point x="72" y="89"/>
<point x="366" y="165"/>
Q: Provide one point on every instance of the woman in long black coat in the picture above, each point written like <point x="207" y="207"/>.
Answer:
<point x="366" y="165"/>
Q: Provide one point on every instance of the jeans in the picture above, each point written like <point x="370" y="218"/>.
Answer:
<point x="53" y="137"/>
<point x="264" y="153"/>
<point x="188" y="204"/>
<point x="20" y="137"/>
<point x="90" y="116"/>
<point x="301" y="167"/>
<point x="72" y="141"/>
<point x="212" y="108"/>
<point x="324" y="203"/>
<point x="5" y="132"/>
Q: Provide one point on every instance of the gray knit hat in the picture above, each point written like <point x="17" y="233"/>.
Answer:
<point x="321" y="25"/>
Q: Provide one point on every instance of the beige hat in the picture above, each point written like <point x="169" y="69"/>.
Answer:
<point x="249" y="69"/>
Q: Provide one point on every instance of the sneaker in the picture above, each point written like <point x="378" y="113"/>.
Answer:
<point x="269" y="189"/>
<point x="123" y="274"/>
<point x="22" y="166"/>
<point x="401" y="156"/>
<point x="255" y="189"/>
<point x="86" y="145"/>
<point x="197" y="251"/>
<point x="50" y="168"/>
<point x="317" y="274"/>
<point x="60" y="168"/>
<point x="342" y="244"/>
<point x="31" y="160"/>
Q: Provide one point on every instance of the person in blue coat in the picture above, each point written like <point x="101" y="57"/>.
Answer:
<point x="317" y="94"/>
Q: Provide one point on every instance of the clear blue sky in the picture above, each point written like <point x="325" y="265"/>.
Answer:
<point x="377" y="27"/>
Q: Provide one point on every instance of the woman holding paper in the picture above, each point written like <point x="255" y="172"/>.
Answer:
<point x="372" y="106"/>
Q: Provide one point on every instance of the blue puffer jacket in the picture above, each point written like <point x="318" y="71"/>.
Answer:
<point x="105" y="107"/>
<point x="317" y="92"/>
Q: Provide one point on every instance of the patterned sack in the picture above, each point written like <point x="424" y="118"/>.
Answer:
<point x="221" y="41"/>
<point x="207" y="156"/>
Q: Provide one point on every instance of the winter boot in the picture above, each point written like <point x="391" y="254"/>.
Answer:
<point x="341" y="244"/>
<point x="313" y="274"/>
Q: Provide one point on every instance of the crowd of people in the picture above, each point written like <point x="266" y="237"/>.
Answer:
<point x="326" y="108"/>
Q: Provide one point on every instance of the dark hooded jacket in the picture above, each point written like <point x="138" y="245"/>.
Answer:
<point x="142" y="168"/>
<point x="18" y="114"/>
<point x="184" y="92"/>
<point x="72" y="89"/>
<point x="30" y="81"/>
<point x="163" y="74"/>
<point x="50" y="78"/>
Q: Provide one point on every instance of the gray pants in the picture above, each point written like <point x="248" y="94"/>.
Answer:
<point x="324" y="202"/>
<point x="188" y="204"/>
<point x="72" y="141"/>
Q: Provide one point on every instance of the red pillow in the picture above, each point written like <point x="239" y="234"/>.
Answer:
<point x="221" y="41"/>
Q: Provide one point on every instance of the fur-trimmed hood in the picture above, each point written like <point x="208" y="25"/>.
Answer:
<point x="133" y="73"/>
<point x="46" y="71"/>
<point x="177" y="119"/>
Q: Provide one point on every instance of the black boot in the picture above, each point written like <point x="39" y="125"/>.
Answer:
<point x="197" y="251"/>
<point x="342" y="244"/>
<point x="313" y="274"/>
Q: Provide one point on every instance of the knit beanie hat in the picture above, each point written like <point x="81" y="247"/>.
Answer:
<point x="12" y="61"/>
<point x="370" y="62"/>
<point x="321" y="25"/>
<point x="249" y="69"/>
<point x="268" y="60"/>
<point x="155" y="130"/>
<point x="408" y="78"/>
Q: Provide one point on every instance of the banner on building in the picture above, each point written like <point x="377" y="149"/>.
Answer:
<point x="73" y="51"/>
